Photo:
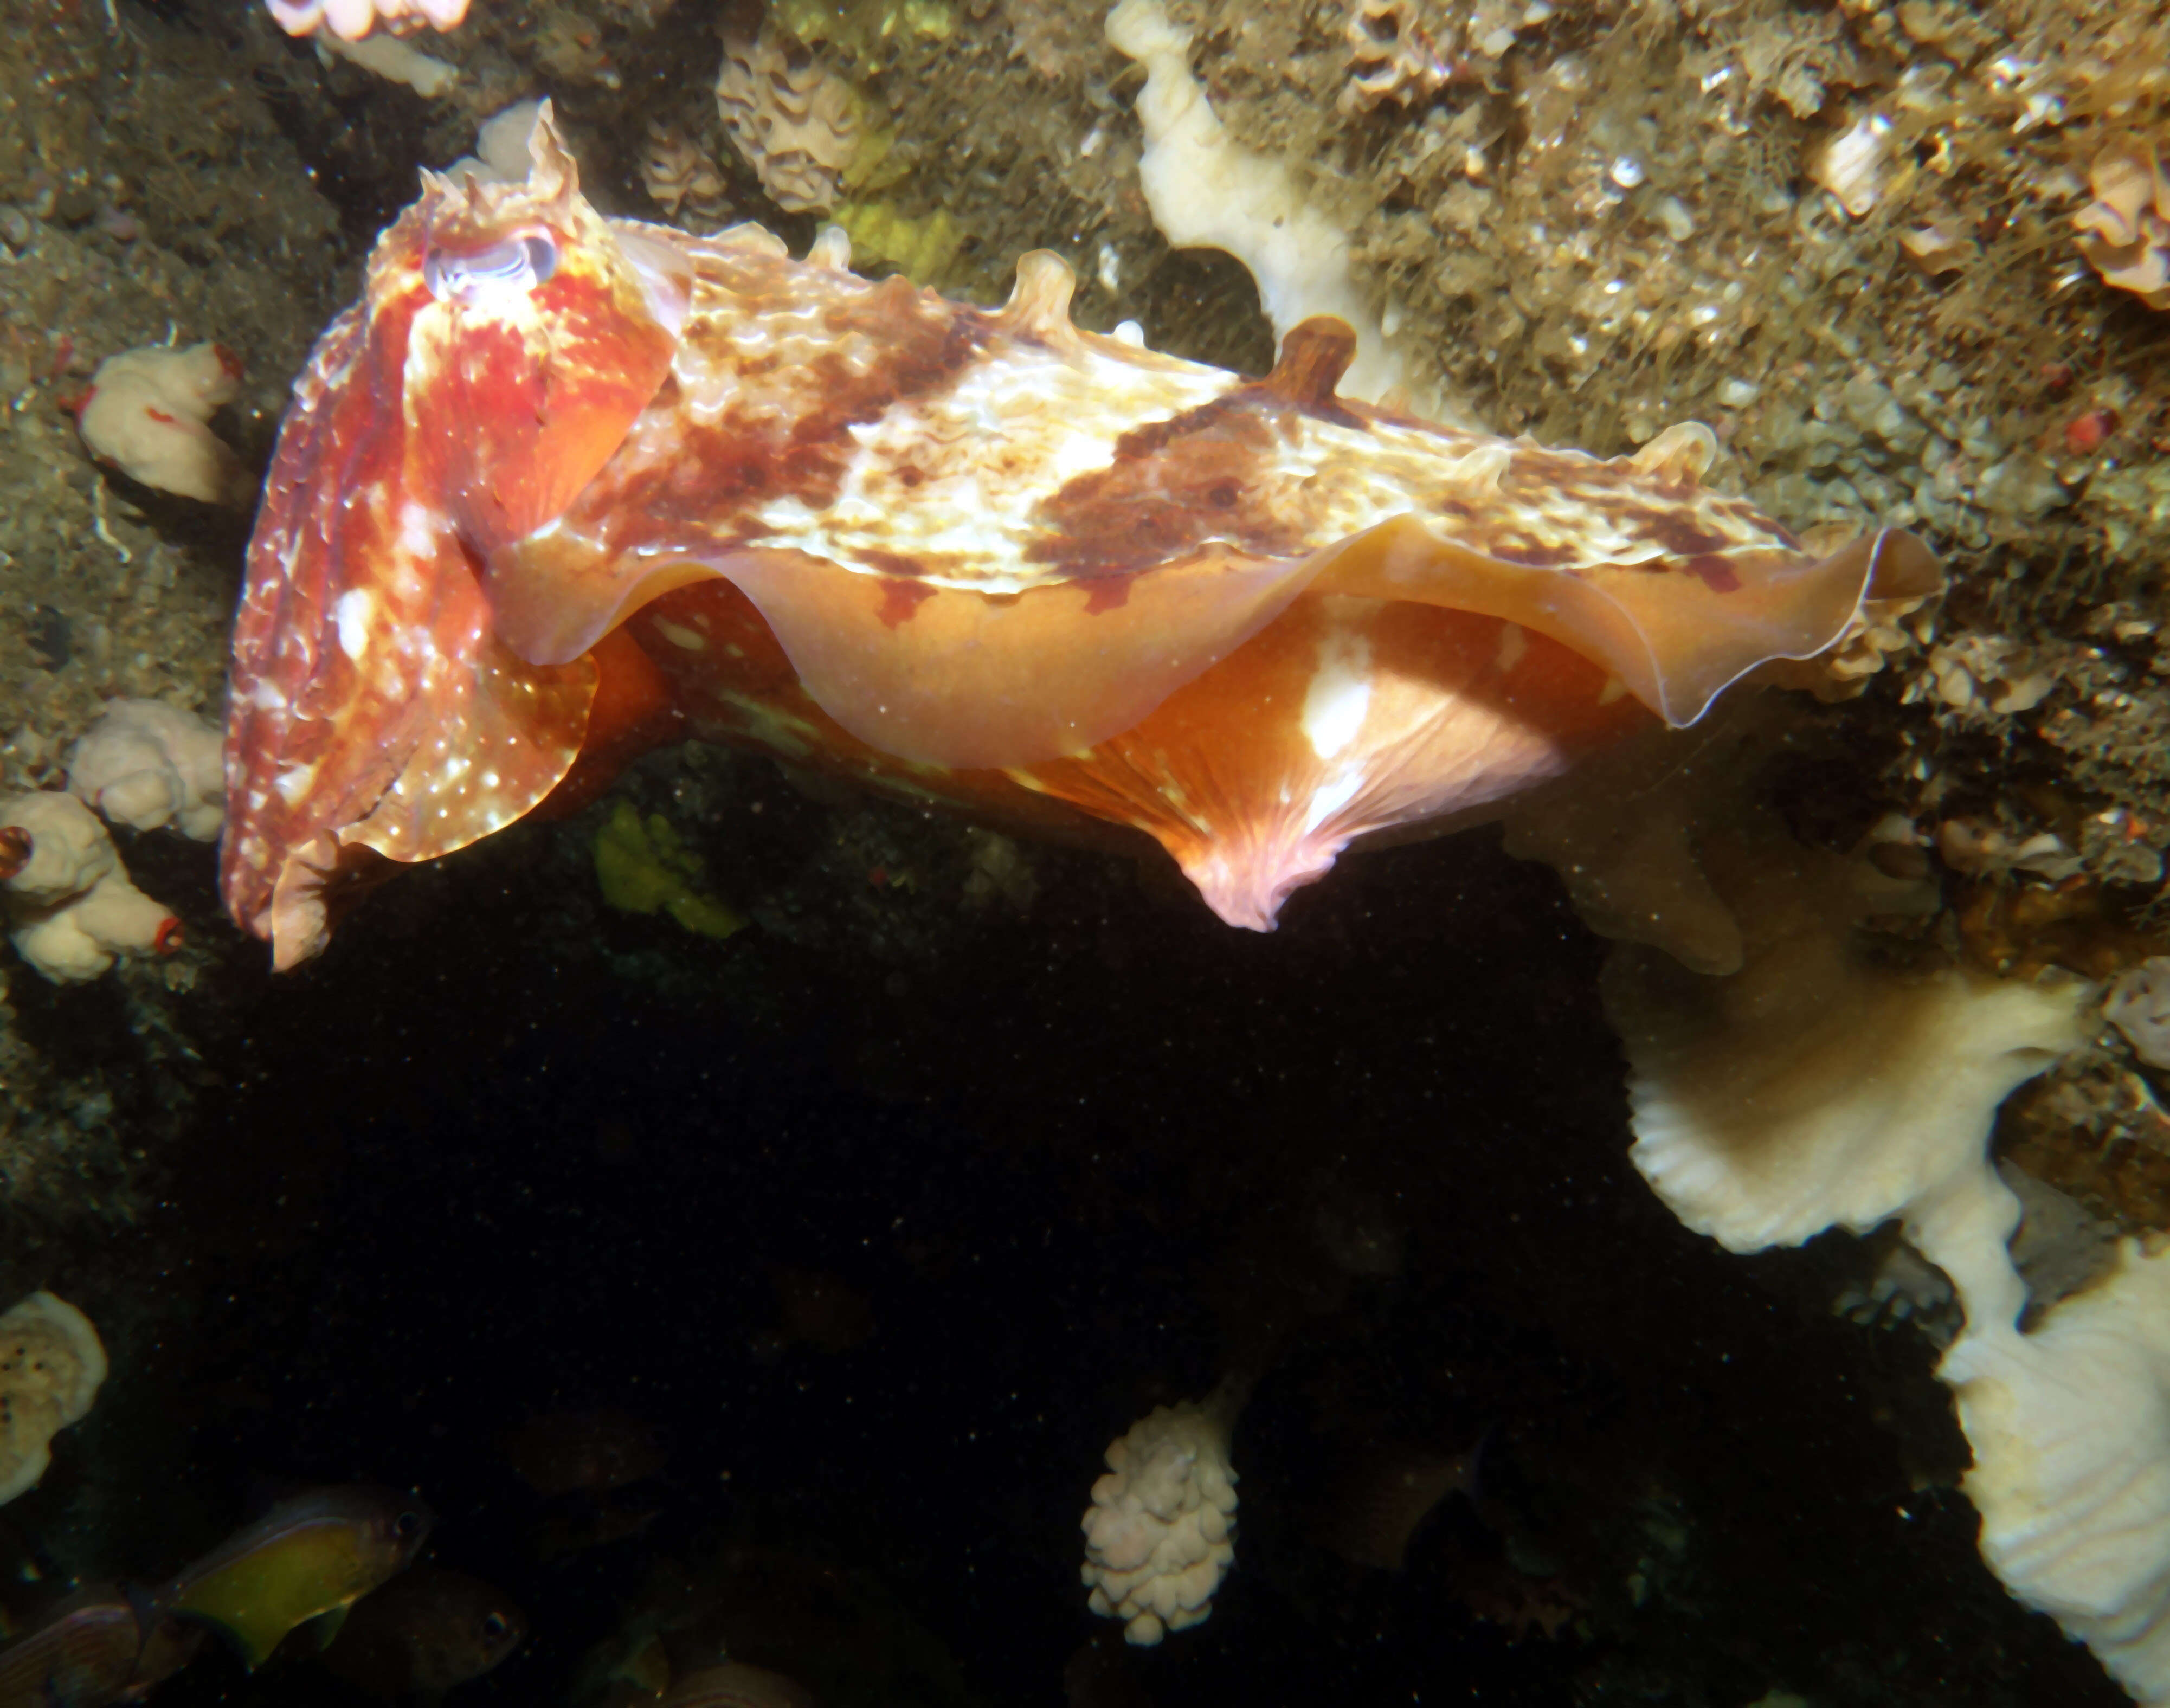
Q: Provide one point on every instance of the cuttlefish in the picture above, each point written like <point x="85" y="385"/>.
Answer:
<point x="559" y="487"/>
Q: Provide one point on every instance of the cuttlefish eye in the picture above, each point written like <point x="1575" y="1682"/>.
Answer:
<point x="517" y="265"/>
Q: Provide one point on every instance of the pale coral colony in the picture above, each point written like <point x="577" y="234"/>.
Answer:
<point x="1909" y="261"/>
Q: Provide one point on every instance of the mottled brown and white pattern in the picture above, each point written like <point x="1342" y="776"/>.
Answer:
<point x="560" y="486"/>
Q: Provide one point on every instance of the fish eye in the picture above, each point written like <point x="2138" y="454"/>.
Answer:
<point x="493" y="1625"/>
<point x="517" y="265"/>
<point x="407" y="1523"/>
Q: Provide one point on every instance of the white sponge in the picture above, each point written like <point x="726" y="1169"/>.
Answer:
<point x="145" y="415"/>
<point x="70" y="906"/>
<point x="145" y="764"/>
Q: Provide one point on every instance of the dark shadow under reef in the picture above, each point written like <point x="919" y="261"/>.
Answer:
<point x="502" y="1154"/>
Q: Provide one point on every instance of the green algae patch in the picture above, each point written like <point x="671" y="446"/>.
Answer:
<point x="922" y="250"/>
<point x="645" y="868"/>
<point x="862" y="27"/>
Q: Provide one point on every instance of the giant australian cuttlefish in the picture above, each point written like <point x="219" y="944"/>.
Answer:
<point x="559" y="487"/>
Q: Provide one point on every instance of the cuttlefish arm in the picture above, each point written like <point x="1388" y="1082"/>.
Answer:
<point x="503" y="344"/>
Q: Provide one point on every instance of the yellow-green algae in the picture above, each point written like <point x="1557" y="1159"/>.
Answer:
<point x="922" y="249"/>
<point x="645" y="868"/>
<point x="858" y="27"/>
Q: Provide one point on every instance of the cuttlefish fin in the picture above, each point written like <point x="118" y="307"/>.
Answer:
<point x="938" y="675"/>
<point x="1346" y="718"/>
<point x="494" y="736"/>
<point x="1676" y="632"/>
<point x="499" y="739"/>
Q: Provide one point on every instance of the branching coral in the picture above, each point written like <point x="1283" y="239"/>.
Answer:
<point x="794" y="120"/>
<point x="2124" y="231"/>
<point x="395" y="60"/>
<point x="1814" y="1087"/>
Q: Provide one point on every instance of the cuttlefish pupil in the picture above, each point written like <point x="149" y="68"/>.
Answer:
<point x="515" y="266"/>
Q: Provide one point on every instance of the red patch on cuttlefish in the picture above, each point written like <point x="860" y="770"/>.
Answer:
<point x="1714" y="572"/>
<point x="1109" y="593"/>
<point x="900" y="598"/>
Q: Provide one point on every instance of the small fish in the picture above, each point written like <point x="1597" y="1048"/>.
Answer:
<point x="589" y="1523"/>
<point x="168" y="1645"/>
<point x="425" y="1631"/>
<point x="307" y="1558"/>
<point x="82" y="1656"/>
<point x="591" y="1451"/>
<point x="734" y="1685"/>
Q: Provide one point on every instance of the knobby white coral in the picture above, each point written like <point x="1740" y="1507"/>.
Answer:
<point x="1159" y="1535"/>
<point x="148" y="765"/>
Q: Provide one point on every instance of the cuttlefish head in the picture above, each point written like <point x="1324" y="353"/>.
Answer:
<point x="506" y="339"/>
<point x="539" y="332"/>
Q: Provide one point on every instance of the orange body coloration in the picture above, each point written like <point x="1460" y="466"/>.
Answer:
<point x="560" y="488"/>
